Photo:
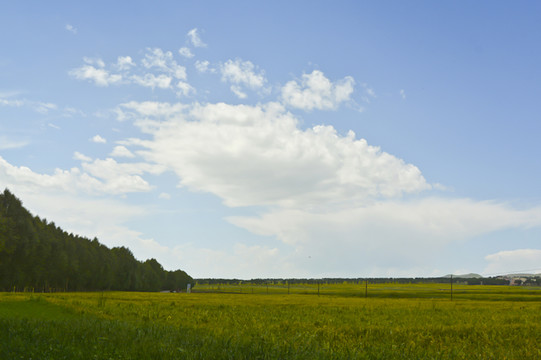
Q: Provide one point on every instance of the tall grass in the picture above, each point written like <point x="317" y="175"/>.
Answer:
<point x="119" y="325"/>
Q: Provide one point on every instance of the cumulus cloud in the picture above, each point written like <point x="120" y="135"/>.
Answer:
<point x="184" y="89"/>
<point x="203" y="66"/>
<point x="157" y="69"/>
<point x="122" y="151"/>
<point x="124" y="63"/>
<point x="319" y="192"/>
<point x="153" y="81"/>
<point x="242" y="74"/>
<point x="163" y="60"/>
<point x="98" y="139"/>
<point x="99" y="177"/>
<point x="119" y="177"/>
<point x="140" y="112"/>
<point x="195" y="39"/>
<point x="331" y="203"/>
<point x="237" y="90"/>
<point x="77" y="208"/>
<point x="316" y="91"/>
<point x="258" y="155"/>
<point x="81" y="157"/>
<point x="99" y="76"/>
<point x="185" y="52"/>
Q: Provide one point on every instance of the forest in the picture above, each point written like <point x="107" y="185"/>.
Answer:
<point x="37" y="255"/>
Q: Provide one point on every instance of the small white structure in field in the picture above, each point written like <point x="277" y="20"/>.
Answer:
<point x="189" y="289"/>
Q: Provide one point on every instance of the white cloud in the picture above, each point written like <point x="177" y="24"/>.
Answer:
<point x="122" y="151"/>
<point x="403" y="94"/>
<point x="94" y="61"/>
<point x="124" y="63"/>
<point x="110" y="168"/>
<point x="71" y="29"/>
<point x="185" y="52"/>
<point x="43" y="107"/>
<point x="333" y="203"/>
<point x="68" y="180"/>
<point x="77" y="208"/>
<point x="237" y="91"/>
<point x="164" y="196"/>
<point x="203" y="66"/>
<point x="157" y="58"/>
<point x="11" y="102"/>
<point x="98" y="139"/>
<point x="152" y="81"/>
<point x="70" y="112"/>
<point x="513" y="261"/>
<point x="184" y="89"/>
<point x="7" y="143"/>
<point x="196" y="41"/>
<point x="317" y="92"/>
<point x="136" y="110"/>
<point x="257" y="155"/>
<point x="99" y="76"/>
<point x="370" y="92"/>
<point x="81" y="157"/>
<point x="121" y="177"/>
<point x="157" y="69"/>
<point x="384" y="235"/>
<point x="319" y="192"/>
<point x="242" y="73"/>
<point x="115" y="178"/>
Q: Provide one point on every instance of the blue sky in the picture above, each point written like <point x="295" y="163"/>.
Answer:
<point x="281" y="139"/>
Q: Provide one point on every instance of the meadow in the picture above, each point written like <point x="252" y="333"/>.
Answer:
<point x="249" y="321"/>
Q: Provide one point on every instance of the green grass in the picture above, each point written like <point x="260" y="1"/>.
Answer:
<point x="481" y="323"/>
<point x="413" y="291"/>
<point x="36" y="310"/>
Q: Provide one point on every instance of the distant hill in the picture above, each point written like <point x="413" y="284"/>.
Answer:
<point x="36" y="254"/>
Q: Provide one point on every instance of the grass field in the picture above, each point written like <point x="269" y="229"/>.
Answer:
<point x="244" y="322"/>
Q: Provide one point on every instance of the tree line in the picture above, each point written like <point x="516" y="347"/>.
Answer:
<point x="36" y="254"/>
<point x="359" y="281"/>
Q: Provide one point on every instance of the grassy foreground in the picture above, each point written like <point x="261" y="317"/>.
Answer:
<point x="486" y="323"/>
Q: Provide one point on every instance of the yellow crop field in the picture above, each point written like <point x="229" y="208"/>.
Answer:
<point x="392" y="322"/>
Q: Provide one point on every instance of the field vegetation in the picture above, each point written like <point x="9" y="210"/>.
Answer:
<point x="263" y="321"/>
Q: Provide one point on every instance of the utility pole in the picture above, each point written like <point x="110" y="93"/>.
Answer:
<point x="366" y="288"/>
<point x="451" y="287"/>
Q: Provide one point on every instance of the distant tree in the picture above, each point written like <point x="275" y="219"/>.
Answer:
<point x="35" y="253"/>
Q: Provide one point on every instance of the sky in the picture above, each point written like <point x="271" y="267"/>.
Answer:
<point x="281" y="139"/>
